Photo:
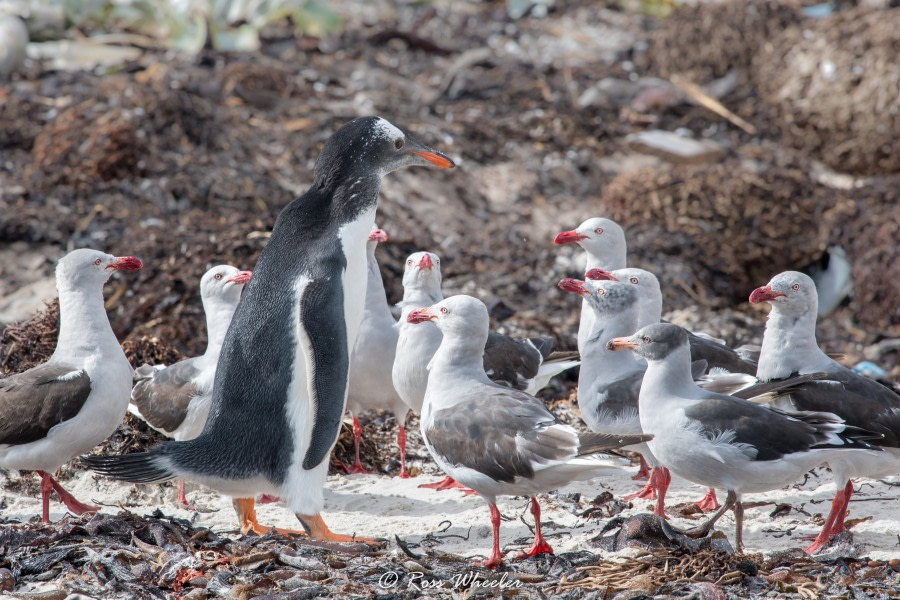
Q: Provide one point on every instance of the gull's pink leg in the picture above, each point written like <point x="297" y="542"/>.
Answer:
<point x="496" y="559"/>
<point x="74" y="506"/>
<point x="401" y="441"/>
<point x="540" y="545"/>
<point x="709" y="501"/>
<point x="643" y="470"/>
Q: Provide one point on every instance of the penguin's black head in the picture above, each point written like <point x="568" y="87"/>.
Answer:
<point x="372" y="146"/>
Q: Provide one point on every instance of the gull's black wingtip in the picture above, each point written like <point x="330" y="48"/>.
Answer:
<point x="140" y="467"/>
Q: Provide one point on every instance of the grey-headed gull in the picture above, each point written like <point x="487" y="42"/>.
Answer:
<point x="64" y="407"/>
<point x="726" y="442"/>
<point x="789" y="348"/>
<point x="494" y="439"/>
<point x="174" y="400"/>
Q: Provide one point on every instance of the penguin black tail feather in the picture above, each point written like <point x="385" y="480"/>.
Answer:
<point x="139" y="467"/>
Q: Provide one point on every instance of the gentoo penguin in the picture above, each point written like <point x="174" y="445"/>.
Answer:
<point x="66" y="406"/>
<point x="789" y="350"/>
<point x="371" y="385"/>
<point x="603" y="242"/>
<point x="281" y="382"/>
<point x="174" y="400"/>
<point x="494" y="439"/>
<point x="726" y="442"/>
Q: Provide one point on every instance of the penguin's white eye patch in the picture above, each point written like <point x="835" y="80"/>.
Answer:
<point x="795" y="287"/>
<point x="598" y="231"/>
<point x="445" y="310"/>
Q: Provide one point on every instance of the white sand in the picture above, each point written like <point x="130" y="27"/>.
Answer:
<point x="374" y="505"/>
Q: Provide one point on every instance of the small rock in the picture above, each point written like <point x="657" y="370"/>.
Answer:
<point x="7" y="581"/>
<point x="673" y="147"/>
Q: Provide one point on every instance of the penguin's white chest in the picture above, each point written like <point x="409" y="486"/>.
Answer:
<point x="353" y="237"/>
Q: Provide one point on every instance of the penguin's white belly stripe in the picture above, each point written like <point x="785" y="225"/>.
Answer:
<point x="303" y="489"/>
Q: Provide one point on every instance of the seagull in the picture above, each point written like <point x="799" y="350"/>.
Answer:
<point x="609" y="383"/>
<point x="518" y="364"/>
<point x="281" y="383"/>
<point x="726" y="442"/>
<point x="789" y="348"/>
<point x="494" y="439"/>
<point x="69" y="404"/>
<point x="603" y="242"/>
<point x="174" y="400"/>
<point x="716" y="355"/>
<point x="371" y="385"/>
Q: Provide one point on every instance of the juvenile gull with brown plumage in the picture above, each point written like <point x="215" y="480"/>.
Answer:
<point x="66" y="406"/>
<point x="494" y="439"/>
<point x="174" y="400"/>
<point x="722" y="441"/>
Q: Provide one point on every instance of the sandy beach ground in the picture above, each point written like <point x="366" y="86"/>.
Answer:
<point x="448" y="521"/>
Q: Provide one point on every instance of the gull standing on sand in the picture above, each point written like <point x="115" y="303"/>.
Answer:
<point x="62" y="408"/>
<point x="497" y="440"/>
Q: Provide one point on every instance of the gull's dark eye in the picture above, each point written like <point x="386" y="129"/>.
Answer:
<point x="399" y="143"/>
<point x="795" y="287"/>
<point x="634" y="280"/>
<point x="217" y="276"/>
<point x="98" y="261"/>
<point x="445" y="310"/>
<point x="646" y="339"/>
<point x="598" y="230"/>
<point x="409" y="263"/>
<point x="601" y="292"/>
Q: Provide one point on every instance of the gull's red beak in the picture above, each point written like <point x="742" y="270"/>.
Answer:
<point x="378" y="235"/>
<point x="574" y="286"/>
<point x="599" y="275"/>
<point x="568" y="237"/>
<point x="240" y="278"/>
<point x="125" y="263"/>
<point x="425" y="262"/>
<point x="436" y="158"/>
<point x="423" y="315"/>
<point x="620" y="343"/>
<point x="764" y="294"/>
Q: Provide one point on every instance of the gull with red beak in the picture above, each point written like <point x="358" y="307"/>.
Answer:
<point x="494" y="439"/>
<point x="789" y="350"/>
<point x="716" y="354"/>
<point x="726" y="442"/>
<point x="525" y="364"/>
<point x="58" y="410"/>
<point x="603" y="242"/>
<point x="371" y="386"/>
<point x="174" y="400"/>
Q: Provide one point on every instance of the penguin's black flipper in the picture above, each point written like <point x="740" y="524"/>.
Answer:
<point x="322" y="316"/>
